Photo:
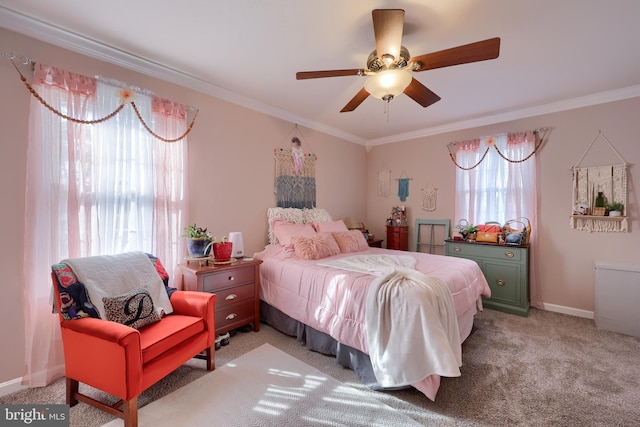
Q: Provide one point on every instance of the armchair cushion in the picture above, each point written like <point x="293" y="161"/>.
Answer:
<point x="133" y="309"/>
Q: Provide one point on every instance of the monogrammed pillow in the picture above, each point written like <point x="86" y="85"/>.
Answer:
<point x="134" y="309"/>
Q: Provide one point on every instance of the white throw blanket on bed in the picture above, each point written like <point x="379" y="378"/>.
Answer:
<point x="114" y="275"/>
<point x="412" y="328"/>
<point x="376" y="264"/>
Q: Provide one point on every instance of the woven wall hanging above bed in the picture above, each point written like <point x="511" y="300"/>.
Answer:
<point x="295" y="176"/>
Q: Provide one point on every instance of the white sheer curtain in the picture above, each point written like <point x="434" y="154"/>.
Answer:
<point x="94" y="189"/>
<point x="498" y="189"/>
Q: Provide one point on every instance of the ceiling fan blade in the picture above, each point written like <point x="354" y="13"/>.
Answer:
<point x="420" y="93"/>
<point x="387" y="28"/>
<point x="302" y="75"/>
<point x="355" y="101"/>
<point x="472" y="52"/>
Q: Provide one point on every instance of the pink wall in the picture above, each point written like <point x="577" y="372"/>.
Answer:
<point x="566" y="256"/>
<point x="230" y="169"/>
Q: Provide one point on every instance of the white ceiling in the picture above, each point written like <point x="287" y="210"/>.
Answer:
<point x="555" y="54"/>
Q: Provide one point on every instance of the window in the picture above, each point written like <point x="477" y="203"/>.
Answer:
<point x="98" y="183"/>
<point x="492" y="183"/>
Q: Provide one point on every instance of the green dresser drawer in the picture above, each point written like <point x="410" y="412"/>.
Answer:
<point x="480" y="250"/>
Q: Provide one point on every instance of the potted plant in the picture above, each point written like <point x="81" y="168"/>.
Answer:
<point x="616" y="209"/>
<point x="198" y="241"/>
<point x="221" y="250"/>
<point x="471" y="232"/>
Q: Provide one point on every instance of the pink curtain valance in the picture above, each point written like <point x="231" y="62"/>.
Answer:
<point x="72" y="82"/>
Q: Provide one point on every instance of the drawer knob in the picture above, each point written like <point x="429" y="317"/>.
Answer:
<point x="231" y="296"/>
<point x="231" y="316"/>
<point x="457" y="248"/>
<point x="500" y="282"/>
<point x="231" y="278"/>
<point x="508" y="254"/>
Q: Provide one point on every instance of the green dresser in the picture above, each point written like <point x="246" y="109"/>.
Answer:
<point x="506" y="269"/>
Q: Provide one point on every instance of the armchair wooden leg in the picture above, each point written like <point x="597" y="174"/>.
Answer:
<point x="72" y="391"/>
<point x="211" y="358"/>
<point x="130" y="412"/>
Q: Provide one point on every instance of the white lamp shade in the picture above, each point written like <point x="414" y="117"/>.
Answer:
<point x="388" y="82"/>
<point x="235" y="237"/>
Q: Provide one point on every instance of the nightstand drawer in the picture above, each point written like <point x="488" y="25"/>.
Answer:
<point x="226" y="279"/>
<point x="234" y="315"/>
<point x="234" y="295"/>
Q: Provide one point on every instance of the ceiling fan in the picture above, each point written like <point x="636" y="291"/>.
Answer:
<point x="390" y="65"/>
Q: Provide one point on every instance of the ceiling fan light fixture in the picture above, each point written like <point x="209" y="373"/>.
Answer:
<point x="388" y="83"/>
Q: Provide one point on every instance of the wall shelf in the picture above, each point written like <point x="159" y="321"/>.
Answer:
<point x="600" y="223"/>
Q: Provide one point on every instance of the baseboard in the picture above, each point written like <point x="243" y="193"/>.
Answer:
<point x="11" y="386"/>
<point x="569" y="310"/>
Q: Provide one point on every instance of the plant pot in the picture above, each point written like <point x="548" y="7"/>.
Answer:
<point x="222" y="251"/>
<point x="615" y="213"/>
<point x="197" y="247"/>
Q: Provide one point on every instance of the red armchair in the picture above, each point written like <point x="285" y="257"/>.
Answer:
<point x="123" y="361"/>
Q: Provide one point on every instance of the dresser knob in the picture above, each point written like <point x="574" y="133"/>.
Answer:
<point x="500" y="282"/>
<point x="231" y="316"/>
<point x="508" y="254"/>
<point x="231" y="278"/>
<point x="457" y="248"/>
<point x="231" y="296"/>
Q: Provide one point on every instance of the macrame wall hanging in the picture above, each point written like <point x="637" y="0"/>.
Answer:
<point x="295" y="175"/>
<point x="403" y="186"/>
<point x="384" y="183"/>
<point x="429" y="198"/>
<point x="588" y="182"/>
<point x="126" y="95"/>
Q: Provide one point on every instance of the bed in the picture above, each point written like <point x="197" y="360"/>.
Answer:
<point x="323" y="284"/>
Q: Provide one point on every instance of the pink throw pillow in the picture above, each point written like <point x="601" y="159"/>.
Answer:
<point x="321" y="245"/>
<point x="285" y="230"/>
<point x="330" y="227"/>
<point x="351" y="241"/>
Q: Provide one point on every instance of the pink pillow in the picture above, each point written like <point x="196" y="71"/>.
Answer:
<point x="330" y="227"/>
<point x="321" y="245"/>
<point x="351" y="241"/>
<point x="285" y="230"/>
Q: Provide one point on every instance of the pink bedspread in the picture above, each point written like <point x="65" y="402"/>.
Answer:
<point x="334" y="301"/>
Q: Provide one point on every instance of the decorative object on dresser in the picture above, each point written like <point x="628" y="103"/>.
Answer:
<point x="235" y="237"/>
<point x="221" y="251"/>
<point x="506" y="270"/>
<point x="198" y="241"/>
<point x="237" y="286"/>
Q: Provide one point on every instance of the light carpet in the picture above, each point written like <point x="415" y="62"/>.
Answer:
<point x="267" y="387"/>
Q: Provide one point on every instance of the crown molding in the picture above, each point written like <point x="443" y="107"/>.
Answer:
<point x="569" y="104"/>
<point x="57" y="36"/>
<point x="49" y="33"/>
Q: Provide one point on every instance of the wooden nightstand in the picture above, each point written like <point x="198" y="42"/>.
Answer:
<point x="237" y="286"/>
<point x="375" y="243"/>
